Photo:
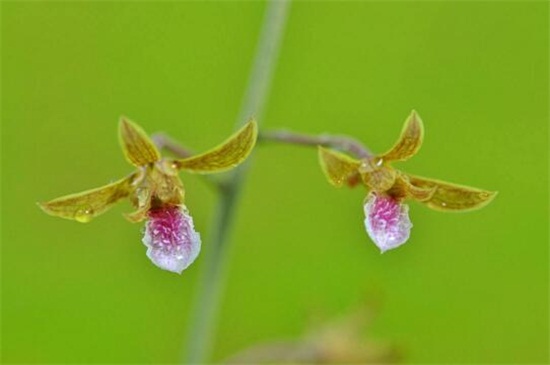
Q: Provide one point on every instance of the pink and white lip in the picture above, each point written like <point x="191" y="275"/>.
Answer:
<point x="171" y="240"/>
<point x="387" y="221"/>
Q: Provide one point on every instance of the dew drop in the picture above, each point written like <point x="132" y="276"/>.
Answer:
<point x="84" y="214"/>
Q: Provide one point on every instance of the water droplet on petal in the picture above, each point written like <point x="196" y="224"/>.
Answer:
<point x="84" y="215"/>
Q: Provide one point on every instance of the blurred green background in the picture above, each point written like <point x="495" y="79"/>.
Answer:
<point x="466" y="288"/>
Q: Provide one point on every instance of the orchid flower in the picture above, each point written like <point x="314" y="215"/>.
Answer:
<point x="386" y="216"/>
<point x="157" y="193"/>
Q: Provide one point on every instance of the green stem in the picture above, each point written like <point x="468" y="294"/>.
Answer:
<point x="207" y="301"/>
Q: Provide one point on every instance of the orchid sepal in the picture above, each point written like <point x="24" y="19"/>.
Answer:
<point x="137" y="147"/>
<point x="410" y="140"/>
<point x="84" y="206"/>
<point x="225" y="156"/>
<point x="449" y="197"/>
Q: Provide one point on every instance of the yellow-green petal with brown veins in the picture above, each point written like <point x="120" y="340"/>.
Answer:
<point x="86" y="205"/>
<point x="225" y="156"/>
<point x="338" y="168"/>
<point x="403" y="189"/>
<point x="409" y="141"/>
<point x="453" y="197"/>
<point x="138" y="148"/>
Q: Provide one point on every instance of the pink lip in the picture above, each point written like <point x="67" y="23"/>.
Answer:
<point x="387" y="221"/>
<point x="173" y="244"/>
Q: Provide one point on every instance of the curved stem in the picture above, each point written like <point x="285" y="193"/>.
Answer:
<point x="207" y="301"/>
<point x="164" y="142"/>
<point x="342" y="143"/>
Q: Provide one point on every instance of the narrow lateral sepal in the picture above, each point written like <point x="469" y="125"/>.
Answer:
<point x="83" y="207"/>
<point x="453" y="197"/>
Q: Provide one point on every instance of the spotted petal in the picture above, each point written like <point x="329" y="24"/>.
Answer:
<point x="171" y="239"/>
<point x="226" y="156"/>
<point x="410" y="140"/>
<point x="453" y="197"/>
<point x="339" y="168"/>
<point x="138" y="148"/>
<point x="86" y="205"/>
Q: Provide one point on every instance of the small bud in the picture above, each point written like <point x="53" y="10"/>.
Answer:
<point x="173" y="244"/>
<point x="387" y="221"/>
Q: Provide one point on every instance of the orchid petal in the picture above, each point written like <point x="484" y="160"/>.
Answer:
<point x="339" y="168"/>
<point x="225" y="156"/>
<point x="86" y="205"/>
<point x="404" y="189"/>
<point x="173" y="244"/>
<point x="138" y="148"/>
<point x="386" y="221"/>
<point x="453" y="197"/>
<point x="409" y="141"/>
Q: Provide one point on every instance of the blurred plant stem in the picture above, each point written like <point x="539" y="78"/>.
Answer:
<point x="201" y="333"/>
<point x="342" y="143"/>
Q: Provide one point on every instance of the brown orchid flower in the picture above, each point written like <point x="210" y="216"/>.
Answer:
<point x="157" y="192"/>
<point x="387" y="220"/>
